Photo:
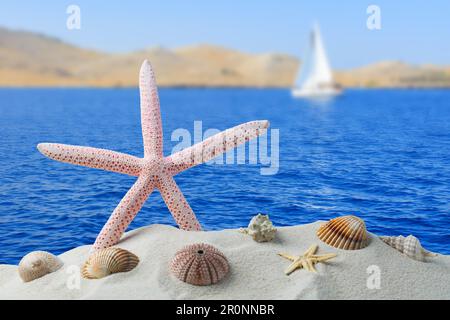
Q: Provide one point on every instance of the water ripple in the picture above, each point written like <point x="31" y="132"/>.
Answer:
<point x="381" y="154"/>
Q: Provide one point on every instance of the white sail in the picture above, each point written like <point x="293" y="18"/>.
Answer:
<point x="316" y="77"/>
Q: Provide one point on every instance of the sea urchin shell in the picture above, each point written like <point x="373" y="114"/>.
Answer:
<point x="199" y="264"/>
<point x="347" y="232"/>
<point x="37" y="264"/>
<point x="108" y="261"/>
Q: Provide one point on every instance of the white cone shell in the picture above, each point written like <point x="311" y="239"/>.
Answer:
<point x="410" y="246"/>
<point x="261" y="228"/>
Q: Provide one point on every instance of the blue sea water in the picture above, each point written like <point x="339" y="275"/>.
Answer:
<point x="383" y="155"/>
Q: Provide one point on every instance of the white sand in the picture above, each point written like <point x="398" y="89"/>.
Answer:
<point x="257" y="272"/>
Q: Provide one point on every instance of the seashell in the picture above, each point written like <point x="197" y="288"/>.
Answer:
<point x="347" y="232"/>
<point x="410" y="246"/>
<point x="37" y="264"/>
<point x="260" y="228"/>
<point x="107" y="261"/>
<point x="199" y="264"/>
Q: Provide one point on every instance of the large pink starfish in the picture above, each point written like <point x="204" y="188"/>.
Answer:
<point x="154" y="170"/>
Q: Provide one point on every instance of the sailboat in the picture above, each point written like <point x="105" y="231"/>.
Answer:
<point x="316" y="78"/>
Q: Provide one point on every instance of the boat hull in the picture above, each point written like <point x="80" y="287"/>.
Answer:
<point x="322" y="93"/>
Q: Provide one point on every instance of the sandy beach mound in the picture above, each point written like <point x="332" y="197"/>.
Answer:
<point x="257" y="272"/>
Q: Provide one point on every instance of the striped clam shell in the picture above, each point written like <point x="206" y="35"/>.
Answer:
<point x="199" y="264"/>
<point x="347" y="232"/>
<point x="107" y="261"/>
<point x="37" y="264"/>
<point x="410" y="246"/>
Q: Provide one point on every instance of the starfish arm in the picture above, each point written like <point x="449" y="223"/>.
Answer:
<point x="124" y="213"/>
<point x="324" y="257"/>
<point x="215" y="145"/>
<point x="92" y="158"/>
<point x="177" y="204"/>
<point x="289" y="257"/>
<point x="304" y="265"/>
<point x="150" y="112"/>
<point x="292" y="267"/>
<point x="310" y="265"/>
<point x="312" y="249"/>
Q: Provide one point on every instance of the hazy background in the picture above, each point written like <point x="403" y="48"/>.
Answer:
<point x="218" y="44"/>
<point x="412" y="31"/>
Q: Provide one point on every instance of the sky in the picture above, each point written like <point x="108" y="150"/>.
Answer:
<point x="414" y="31"/>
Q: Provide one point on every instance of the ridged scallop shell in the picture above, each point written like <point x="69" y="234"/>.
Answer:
<point x="37" y="264"/>
<point x="199" y="264"/>
<point x="107" y="261"/>
<point x="410" y="246"/>
<point x="347" y="232"/>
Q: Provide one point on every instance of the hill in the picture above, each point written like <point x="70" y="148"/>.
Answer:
<point x="31" y="59"/>
<point x="395" y="74"/>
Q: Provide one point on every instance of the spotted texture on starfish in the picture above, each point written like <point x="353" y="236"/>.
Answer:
<point x="154" y="170"/>
<point x="92" y="157"/>
<point x="215" y="145"/>
<point x="307" y="260"/>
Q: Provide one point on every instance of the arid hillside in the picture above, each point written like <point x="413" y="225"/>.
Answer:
<point x="30" y="59"/>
